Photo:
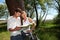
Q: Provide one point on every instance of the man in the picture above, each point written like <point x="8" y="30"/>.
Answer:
<point x="14" y="24"/>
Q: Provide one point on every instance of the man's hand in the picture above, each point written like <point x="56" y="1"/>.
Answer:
<point x="15" y="29"/>
<point x="18" y="28"/>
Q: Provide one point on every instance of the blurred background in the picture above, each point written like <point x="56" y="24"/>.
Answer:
<point x="46" y="13"/>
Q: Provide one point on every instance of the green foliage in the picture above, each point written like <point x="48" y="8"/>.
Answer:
<point x="3" y="9"/>
<point x="42" y="4"/>
<point x="29" y="6"/>
<point x="57" y="19"/>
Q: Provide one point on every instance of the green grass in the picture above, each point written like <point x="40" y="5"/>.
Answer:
<point x="47" y="25"/>
<point x="48" y="36"/>
<point x="43" y="33"/>
<point x="4" y="36"/>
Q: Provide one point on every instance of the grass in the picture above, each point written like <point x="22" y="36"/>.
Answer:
<point x="48" y="36"/>
<point x="43" y="33"/>
<point x="4" y="34"/>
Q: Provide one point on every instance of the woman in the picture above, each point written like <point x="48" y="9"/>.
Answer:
<point x="29" y="23"/>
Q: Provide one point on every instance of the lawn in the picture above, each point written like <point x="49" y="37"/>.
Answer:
<point x="4" y="34"/>
<point x="43" y="33"/>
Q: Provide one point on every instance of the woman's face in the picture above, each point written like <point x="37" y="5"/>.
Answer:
<point x="24" y="15"/>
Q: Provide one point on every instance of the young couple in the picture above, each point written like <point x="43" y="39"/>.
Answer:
<point x="14" y="25"/>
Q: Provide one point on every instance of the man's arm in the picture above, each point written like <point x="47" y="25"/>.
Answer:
<point x="16" y="29"/>
<point x="11" y="25"/>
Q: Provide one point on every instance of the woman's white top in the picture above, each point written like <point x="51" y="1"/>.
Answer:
<point x="26" y="23"/>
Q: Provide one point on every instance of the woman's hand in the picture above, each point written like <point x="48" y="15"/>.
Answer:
<point x="28" y="31"/>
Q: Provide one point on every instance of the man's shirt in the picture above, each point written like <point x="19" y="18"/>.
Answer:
<point x="12" y="22"/>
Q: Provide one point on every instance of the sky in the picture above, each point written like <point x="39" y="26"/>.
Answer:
<point x="52" y="12"/>
<point x="1" y="1"/>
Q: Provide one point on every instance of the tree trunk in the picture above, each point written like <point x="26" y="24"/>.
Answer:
<point x="36" y="13"/>
<point x="13" y="4"/>
<point x="57" y="20"/>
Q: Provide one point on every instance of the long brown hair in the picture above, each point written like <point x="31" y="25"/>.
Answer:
<point x="21" y="16"/>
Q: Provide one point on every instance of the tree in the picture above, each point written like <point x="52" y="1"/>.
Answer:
<point x="57" y="19"/>
<point x="13" y="4"/>
<point x="31" y="7"/>
<point x="3" y="9"/>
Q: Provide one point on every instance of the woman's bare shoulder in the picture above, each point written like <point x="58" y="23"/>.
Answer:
<point x="30" y="19"/>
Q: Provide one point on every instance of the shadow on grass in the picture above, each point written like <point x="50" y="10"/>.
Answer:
<point x="3" y="28"/>
<point x="3" y="23"/>
<point x="49" y="33"/>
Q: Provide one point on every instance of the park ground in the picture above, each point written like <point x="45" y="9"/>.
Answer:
<point x="42" y="33"/>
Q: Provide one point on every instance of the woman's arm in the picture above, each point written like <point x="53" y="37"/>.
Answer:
<point x="33" y="23"/>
